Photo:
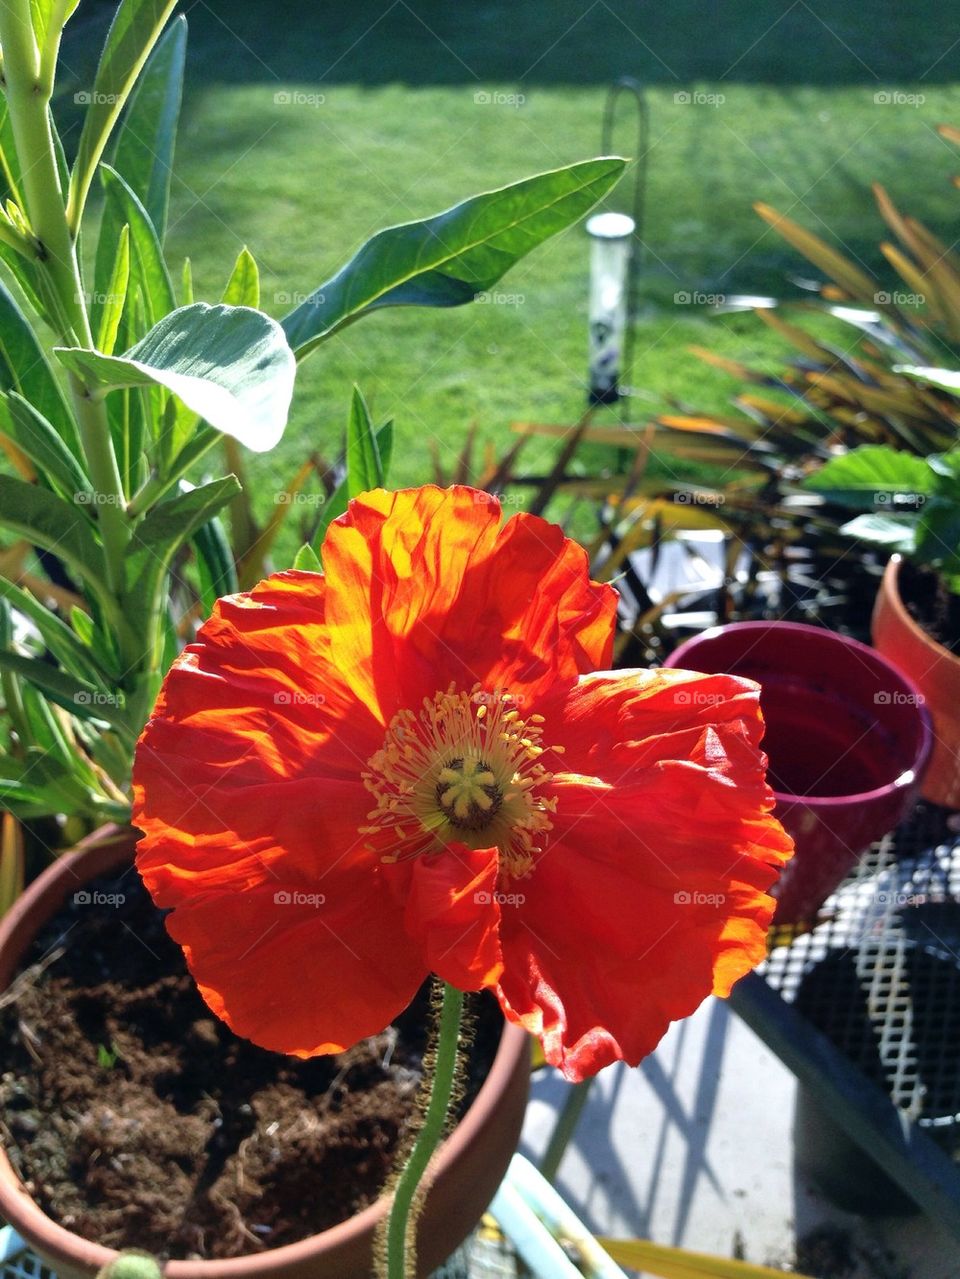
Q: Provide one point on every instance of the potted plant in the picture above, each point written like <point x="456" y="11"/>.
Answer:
<point x="911" y="506"/>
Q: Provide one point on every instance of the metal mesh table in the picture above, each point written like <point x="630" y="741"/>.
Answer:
<point x="864" y="1007"/>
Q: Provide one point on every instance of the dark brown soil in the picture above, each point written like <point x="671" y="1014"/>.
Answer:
<point x="931" y="605"/>
<point x="138" y="1119"/>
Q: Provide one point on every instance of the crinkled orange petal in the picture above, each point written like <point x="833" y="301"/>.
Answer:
<point x="426" y="589"/>
<point x="247" y="787"/>
<point x="450" y="908"/>
<point x="651" y="893"/>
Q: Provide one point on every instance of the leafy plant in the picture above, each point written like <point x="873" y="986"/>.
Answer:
<point x="116" y="385"/>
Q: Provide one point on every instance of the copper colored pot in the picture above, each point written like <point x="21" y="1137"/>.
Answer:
<point x="936" y="673"/>
<point x="470" y="1164"/>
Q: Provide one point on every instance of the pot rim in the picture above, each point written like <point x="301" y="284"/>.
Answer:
<point x="98" y="853"/>
<point x="891" y="581"/>
<point x="905" y="780"/>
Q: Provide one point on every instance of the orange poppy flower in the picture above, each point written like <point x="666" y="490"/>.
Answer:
<point x="407" y="766"/>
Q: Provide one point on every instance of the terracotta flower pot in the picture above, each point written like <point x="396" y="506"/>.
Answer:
<point x="469" y="1166"/>
<point x="936" y="673"/>
<point x="847" y="738"/>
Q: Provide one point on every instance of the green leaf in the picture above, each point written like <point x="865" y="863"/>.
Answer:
<point x="149" y="278"/>
<point x="53" y="524"/>
<point x="336" y="503"/>
<point x="447" y="259"/>
<point x="218" y="573"/>
<point x="230" y="365"/>
<point x="24" y="368"/>
<point x="885" y="530"/>
<point x="307" y="560"/>
<point x="364" y="466"/>
<point x="146" y="139"/>
<point x="44" y="446"/>
<point x="243" y="287"/>
<point x="134" y="31"/>
<point x="162" y="532"/>
<point x="81" y="698"/>
<point x="186" y="282"/>
<point x="111" y="306"/>
<point x="872" y="474"/>
<point x="56" y="635"/>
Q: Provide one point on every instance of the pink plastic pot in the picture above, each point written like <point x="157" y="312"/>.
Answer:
<point x="847" y="737"/>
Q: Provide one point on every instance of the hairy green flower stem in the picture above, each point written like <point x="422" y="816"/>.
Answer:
<point x="29" y="73"/>
<point x="401" y="1258"/>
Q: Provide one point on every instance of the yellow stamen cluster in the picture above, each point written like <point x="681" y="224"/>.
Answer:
<point x="466" y="770"/>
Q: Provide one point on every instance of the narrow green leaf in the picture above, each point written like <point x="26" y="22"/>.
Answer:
<point x="243" y="287"/>
<point x="111" y="307"/>
<point x="149" y="278"/>
<point x="44" y="446"/>
<point x="186" y="282"/>
<point x="230" y="365"/>
<point x="56" y="635"/>
<point x="307" y="560"/>
<point x="218" y="573"/>
<point x="364" y="467"/>
<point x="83" y="626"/>
<point x="945" y="379"/>
<point x="24" y="369"/>
<point x="147" y="135"/>
<point x="163" y="531"/>
<point x="447" y="259"/>
<point x="81" y="698"/>
<point x="50" y="522"/>
<point x="336" y="503"/>
<point x="134" y="31"/>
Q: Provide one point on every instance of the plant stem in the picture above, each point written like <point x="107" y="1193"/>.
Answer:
<point x="29" y="84"/>
<point x="402" y="1225"/>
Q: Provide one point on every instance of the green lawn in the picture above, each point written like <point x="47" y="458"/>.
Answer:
<point x="381" y="123"/>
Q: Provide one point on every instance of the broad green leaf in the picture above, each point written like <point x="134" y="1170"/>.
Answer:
<point x="938" y="535"/>
<point x="24" y="369"/>
<point x="871" y="475"/>
<point x="134" y="31"/>
<point x="53" y="524"/>
<point x="307" y="560"/>
<point x="230" y="365"/>
<point x="81" y="698"/>
<point x="885" y="530"/>
<point x="364" y="466"/>
<point x="56" y="635"/>
<point x="149" y="278"/>
<point x="447" y="259"/>
<point x="111" y="306"/>
<point x="147" y="135"/>
<point x="218" y="573"/>
<point x="163" y="531"/>
<point x="44" y="446"/>
<point x="243" y="287"/>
